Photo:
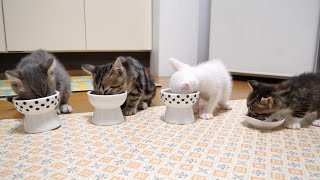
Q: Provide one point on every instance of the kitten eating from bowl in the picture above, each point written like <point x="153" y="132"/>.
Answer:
<point x="293" y="98"/>
<point x="39" y="75"/>
<point x="125" y="74"/>
<point x="210" y="78"/>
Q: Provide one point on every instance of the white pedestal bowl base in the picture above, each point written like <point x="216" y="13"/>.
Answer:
<point x="41" y="122"/>
<point x="103" y="117"/>
<point x="179" y="115"/>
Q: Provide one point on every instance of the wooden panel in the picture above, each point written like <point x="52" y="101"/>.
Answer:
<point x="118" y="24"/>
<point x="52" y="25"/>
<point x="2" y="36"/>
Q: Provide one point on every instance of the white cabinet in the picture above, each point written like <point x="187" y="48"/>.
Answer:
<point x="118" y="24"/>
<point x="268" y="37"/>
<point x="2" y="35"/>
<point x="53" y="25"/>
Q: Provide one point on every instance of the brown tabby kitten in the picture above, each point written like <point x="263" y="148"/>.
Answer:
<point x="293" y="98"/>
<point x="125" y="74"/>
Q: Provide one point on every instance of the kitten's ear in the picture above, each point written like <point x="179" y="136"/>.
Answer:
<point x="48" y="66"/>
<point x="177" y="65"/>
<point x="253" y="84"/>
<point x="88" y="68"/>
<point x="14" y="78"/>
<point x="117" y="66"/>
<point x="267" y="101"/>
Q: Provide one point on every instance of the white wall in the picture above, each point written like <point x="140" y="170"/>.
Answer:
<point x="2" y="35"/>
<point x="268" y="37"/>
<point x="204" y="30"/>
<point x="176" y="33"/>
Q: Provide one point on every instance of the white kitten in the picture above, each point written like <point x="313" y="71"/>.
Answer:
<point x="211" y="78"/>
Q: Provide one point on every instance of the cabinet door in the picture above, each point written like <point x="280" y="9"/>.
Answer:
<point x="2" y="37"/>
<point x="114" y="25"/>
<point x="268" y="37"/>
<point x="52" y="25"/>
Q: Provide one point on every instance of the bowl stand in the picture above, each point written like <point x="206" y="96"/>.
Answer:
<point x="179" y="115"/>
<point x="104" y="117"/>
<point x="41" y="122"/>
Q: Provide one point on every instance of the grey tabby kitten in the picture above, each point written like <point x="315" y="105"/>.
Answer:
<point x="125" y="74"/>
<point x="38" y="75"/>
<point x="293" y="98"/>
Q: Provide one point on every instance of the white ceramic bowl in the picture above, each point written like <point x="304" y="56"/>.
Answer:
<point x="107" y="109"/>
<point x="264" y="124"/>
<point x="179" y="106"/>
<point x="40" y="114"/>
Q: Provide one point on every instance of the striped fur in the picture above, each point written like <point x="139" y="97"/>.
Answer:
<point x="298" y="95"/>
<point x="125" y="74"/>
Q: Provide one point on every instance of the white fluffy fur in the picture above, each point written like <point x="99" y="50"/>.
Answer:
<point x="211" y="78"/>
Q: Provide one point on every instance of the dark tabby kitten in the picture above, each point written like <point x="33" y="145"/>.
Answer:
<point x="38" y="75"/>
<point x="125" y="74"/>
<point x="293" y="98"/>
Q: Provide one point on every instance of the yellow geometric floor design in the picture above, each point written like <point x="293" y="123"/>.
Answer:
<point x="78" y="83"/>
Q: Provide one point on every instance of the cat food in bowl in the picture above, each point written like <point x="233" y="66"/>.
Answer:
<point x="39" y="114"/>
<point x="107" y="109"/>
<point x="269" y="123"/>
<point x="179" y="106"/>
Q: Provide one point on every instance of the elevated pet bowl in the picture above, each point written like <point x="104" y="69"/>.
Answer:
<point x="107" y="109"/>
<point x="179" y="106"/>
<point x="39" y="114"/>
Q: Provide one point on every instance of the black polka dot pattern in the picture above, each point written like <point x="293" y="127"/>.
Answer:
<point x="179" y="99"/>
<point x="37" y="105"/>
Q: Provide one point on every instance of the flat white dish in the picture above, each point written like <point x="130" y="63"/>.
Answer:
<point x="268" y="124"/>
<point x="179" y="106"/>
<point x="39" y="114"/>
<point x="107" y="109"/>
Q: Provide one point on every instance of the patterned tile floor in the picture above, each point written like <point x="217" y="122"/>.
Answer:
<point x="145" y="147"/>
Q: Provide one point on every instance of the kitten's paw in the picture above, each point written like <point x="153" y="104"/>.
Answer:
<point x="293" y="125"/>
<point x="129" y="111"/>
<point x="206" y="116"/>
<point x="316" y="122"/>
<point x="65" y="108"/>
<point x="142" y="105"/>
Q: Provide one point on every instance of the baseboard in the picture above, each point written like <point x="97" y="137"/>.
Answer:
<point x="74" y="60"/>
